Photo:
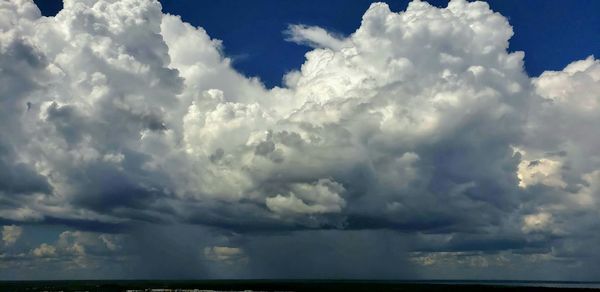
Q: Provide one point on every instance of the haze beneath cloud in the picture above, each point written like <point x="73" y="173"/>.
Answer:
<point x="416" y="147"/>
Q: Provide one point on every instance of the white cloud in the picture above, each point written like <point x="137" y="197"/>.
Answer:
<point x="44" y="250"/>
<point x="535" y="222"/>
<point x="10" y="234"/>
<point x="313" y="36"/>
<point x="225" y="254"/>
<point x="374" y="106"/>
<point x="116" y="114"/>
<point x="323" y="197"/>
<point x="544" y="171"/>
<point x="79" y="250"/>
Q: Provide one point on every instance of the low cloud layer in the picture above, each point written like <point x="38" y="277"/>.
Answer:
<point x="419" y="130"/>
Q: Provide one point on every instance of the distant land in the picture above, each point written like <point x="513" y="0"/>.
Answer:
<point x="293" y="285"/>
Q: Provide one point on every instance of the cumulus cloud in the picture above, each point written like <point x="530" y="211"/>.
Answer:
<point x="10" y="234"/>
<point x="325" y="200"/>
<point x="44" y="250"/>
<point x="224" y="254"/>
<point x="77" y="250"/>
<point x="115" y="115"/>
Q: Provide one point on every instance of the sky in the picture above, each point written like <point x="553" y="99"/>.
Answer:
<point x="277" y="139"/>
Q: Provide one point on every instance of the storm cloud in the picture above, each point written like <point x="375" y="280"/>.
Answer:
<point x="414" y="144"/>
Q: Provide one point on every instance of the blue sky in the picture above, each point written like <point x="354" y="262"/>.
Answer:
<point x="551" y="32"/>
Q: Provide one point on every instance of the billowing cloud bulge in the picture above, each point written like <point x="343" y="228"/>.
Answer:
<point x="114" y="115"/>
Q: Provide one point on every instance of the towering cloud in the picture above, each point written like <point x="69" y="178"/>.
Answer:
<point x="115" y="117"/>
